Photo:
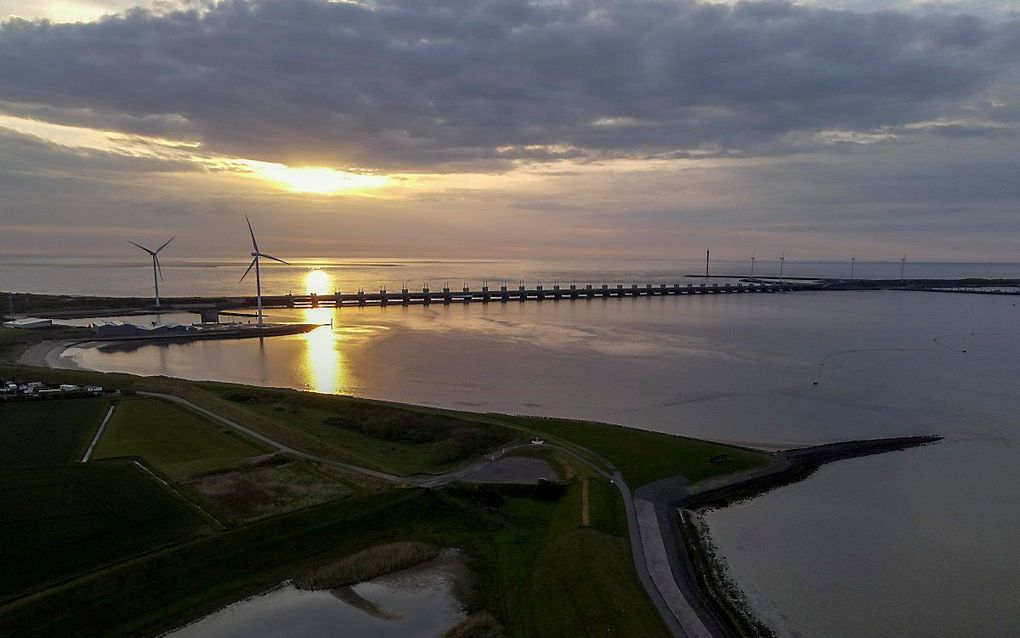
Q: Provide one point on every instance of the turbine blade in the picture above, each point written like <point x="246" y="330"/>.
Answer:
<point x="254" y="243"/>
<point x="165" y="245"/>
<point x="250" y="266"/>
<point x="273" y="258"/>
<point x="142" y="247"/>
<point x="159" y="268"/>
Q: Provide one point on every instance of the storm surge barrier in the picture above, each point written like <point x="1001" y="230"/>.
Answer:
<point x="521" y="293"/>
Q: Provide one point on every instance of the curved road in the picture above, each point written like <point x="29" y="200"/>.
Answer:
<point x="648" y="549"/>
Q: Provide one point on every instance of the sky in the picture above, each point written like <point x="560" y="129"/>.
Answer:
<point x="507" y="128"/>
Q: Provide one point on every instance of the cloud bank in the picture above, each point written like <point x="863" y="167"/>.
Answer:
<point x="463" y="84"/>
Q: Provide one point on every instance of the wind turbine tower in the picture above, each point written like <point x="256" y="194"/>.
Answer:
<point x="256" y="254"/>
<point x="853" y="261"/>
<point x="752" y="265"/>
<point x="782" y="258"/>
<point x="157" y="272"/>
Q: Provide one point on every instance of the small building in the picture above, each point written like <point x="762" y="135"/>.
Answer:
<point x="67" y="387"/>
<point x="94" y="389"/>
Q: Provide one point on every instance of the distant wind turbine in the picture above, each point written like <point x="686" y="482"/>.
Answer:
<point x="256" y="253"/>
<point x="157" y="272"/>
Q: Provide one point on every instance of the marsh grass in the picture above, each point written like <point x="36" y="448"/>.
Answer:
<point x="366" y="565"/>
<point x="479" y="625"/>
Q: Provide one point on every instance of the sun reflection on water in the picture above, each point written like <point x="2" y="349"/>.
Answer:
<point x="324" y="368"/>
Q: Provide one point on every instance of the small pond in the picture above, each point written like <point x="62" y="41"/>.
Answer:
<point x="417" y="602"/>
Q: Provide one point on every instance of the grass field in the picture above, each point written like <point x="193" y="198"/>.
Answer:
<point x="59" y="521"/>
<point x="642" y="456"/>
<point x="42" y="433"/>
<point x="514" y="552"/>
<point x="175" y="441"/>
<point x="392" y="449"/>
<point x="537" y="569"/>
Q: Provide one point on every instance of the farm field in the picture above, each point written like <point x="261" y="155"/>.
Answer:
<point x="63" y="520"/>
<point x="41" y="433"/>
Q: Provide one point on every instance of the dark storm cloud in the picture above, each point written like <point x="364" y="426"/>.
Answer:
<point x="426" y="83"/>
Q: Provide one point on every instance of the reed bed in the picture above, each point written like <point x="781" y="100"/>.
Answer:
<point x="366" y="565"/>
<point x="479" y="625"/>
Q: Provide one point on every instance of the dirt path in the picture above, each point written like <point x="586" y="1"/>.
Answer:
<point x="99" y="433"/>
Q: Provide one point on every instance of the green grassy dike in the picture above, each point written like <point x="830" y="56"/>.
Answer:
<point x="536" y="567"/>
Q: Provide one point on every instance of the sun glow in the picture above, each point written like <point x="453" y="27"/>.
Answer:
<point x="315" y="180"/>
<point x="319" y="282"/>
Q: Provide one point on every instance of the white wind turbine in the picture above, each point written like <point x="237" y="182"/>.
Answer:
<point x="157" y="272"/>
<point x="256" y="253"/>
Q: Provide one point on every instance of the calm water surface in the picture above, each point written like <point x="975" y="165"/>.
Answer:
<point x="129" y="273"/>
<point x="921" y="542"/>
<point x="413" y="603"/>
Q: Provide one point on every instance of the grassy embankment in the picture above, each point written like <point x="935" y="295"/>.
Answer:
<point x="538" y="569"/>
<point x="643" y="456"/>
<point x="372" y="434"/>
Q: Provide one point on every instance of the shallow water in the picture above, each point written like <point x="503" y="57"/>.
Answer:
<point x="414" y="603"/>
<point x="922" y="539"/>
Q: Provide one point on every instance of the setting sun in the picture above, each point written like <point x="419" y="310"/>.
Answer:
<point x="318" y="282"/>
<point x="315" y="180"/>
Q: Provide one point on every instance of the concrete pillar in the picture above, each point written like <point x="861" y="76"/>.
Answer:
<point x="426" y="295"/>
